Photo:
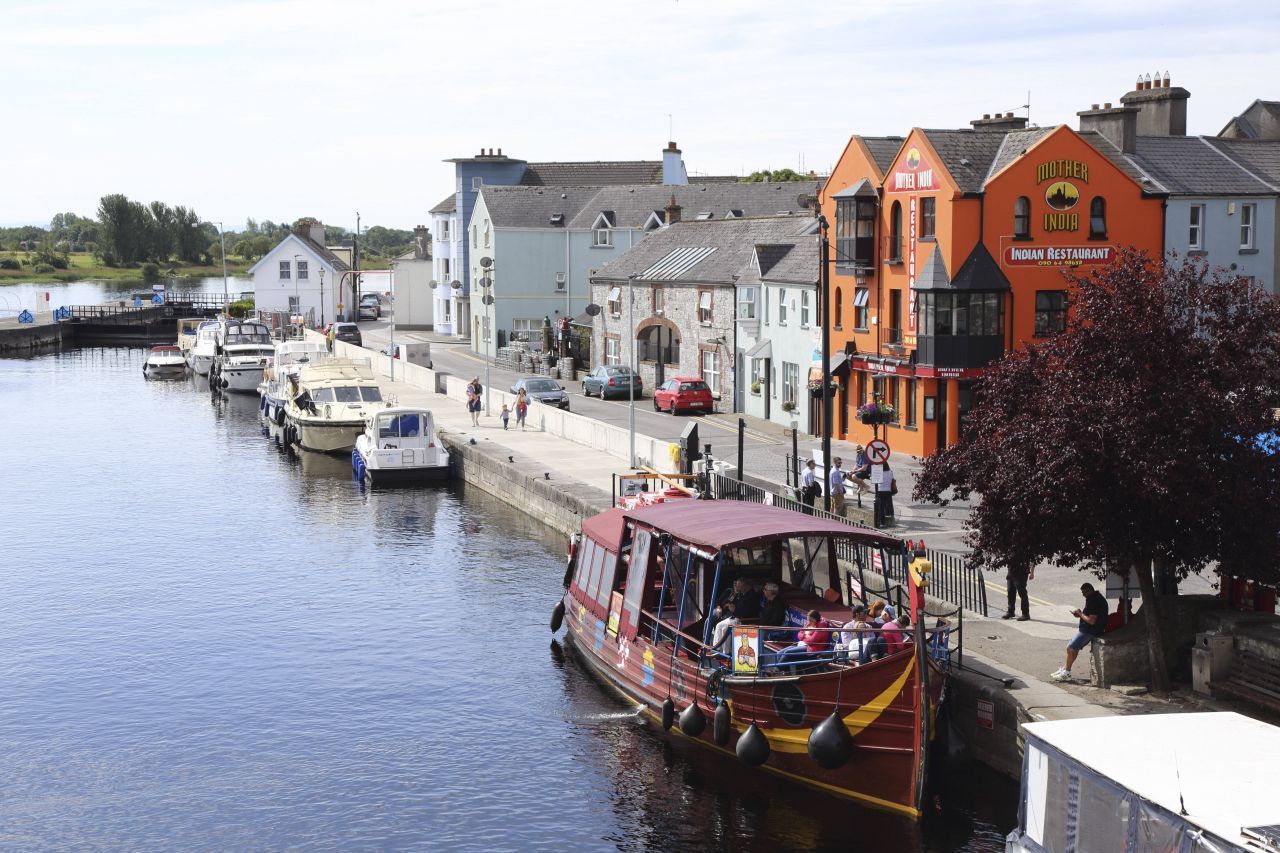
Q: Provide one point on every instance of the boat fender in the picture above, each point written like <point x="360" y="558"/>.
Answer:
<point x="568" y="571"/>
<point x="280" y="416"/>
<point x="668" y="713"/>
<point x="692" y="720"/>
<point x="557" y="616"/>
<point x="830" y="743"/>
<point x="721" y="727"/>
<point x="753" y="747"/>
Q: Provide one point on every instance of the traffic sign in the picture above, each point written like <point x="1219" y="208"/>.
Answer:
<point x="877" y="452"/>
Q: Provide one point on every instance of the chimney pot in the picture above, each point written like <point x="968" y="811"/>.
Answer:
<point x="1093" y="106"/>
<point x="1008" y="115"/>
<point x="986" y="115"/>
<point x="499" y="152"/>
<point x="1107" y="105"/>
<point x="1166" y="79"/>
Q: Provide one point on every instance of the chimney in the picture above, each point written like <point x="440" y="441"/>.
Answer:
<point x="999" y="121"/>
<point x="421" y="244"/>
<point x="673" y="211"/>
<point x="1162" y="108"/>
<point x="673" y="171"/>
<point x="315" y="230"/>
<point x="1118" y="124"/>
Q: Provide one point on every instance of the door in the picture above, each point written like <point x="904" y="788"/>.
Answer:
<point x="842" y="404"/>
<point x="659" y="373"/>
<point x="895" y="317"/>
<point x="941" y="409"/>
<point x="768" y="389"/>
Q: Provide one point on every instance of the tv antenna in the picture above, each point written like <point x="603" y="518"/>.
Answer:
<point x="1026" y="106"/>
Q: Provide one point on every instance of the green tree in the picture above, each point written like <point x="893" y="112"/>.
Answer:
<point x="776" y="176"/>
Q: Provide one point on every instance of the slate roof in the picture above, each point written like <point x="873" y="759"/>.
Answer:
<point x="1123" y="162"/>
<point x="967" y="154"/>
<point x="980" y="272"/>
<point x="731" y="242"/>
<point x="1261" y="157"/>
<point x="449" y="205"/>
<point x="883" y="149"/>
<point x="634" y="204"/>
<point x="933" y="272"/>
<point x="1015" y="144"/>
<point x="1244" y="125"/>
<point x="798" y="264"/>
<point x="595" y="173"/>
<point x="333" y="260"/>
<point x="1191" y="165"/>
<point x="533" y="207"/>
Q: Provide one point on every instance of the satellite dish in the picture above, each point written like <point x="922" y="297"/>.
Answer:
<point x="487" y="299"/>
<point x="434" y="283"/>
<point x="455" y="284"/>
<point x="485" y="281"/>
<point x="486" y="262"/>
<point x="593" y="309"/>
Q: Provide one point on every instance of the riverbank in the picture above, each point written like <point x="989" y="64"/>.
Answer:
<point x="83" y="266"/>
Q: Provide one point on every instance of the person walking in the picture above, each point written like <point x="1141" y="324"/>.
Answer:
<point x="886" y="488"/>
<point x="836" y="487"/>
<point x="473" y="401"/>
<point x="1093" y="623"/>
<point x="522" y="408"/>
<point x="1016" y="581"/>
<point x="506" y="416"/>
<point x="809" y="488"/>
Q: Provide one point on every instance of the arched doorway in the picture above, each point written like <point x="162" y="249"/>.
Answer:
<point x="658" y="342"/>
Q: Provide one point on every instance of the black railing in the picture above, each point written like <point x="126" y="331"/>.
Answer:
<point x="954" y="578"/>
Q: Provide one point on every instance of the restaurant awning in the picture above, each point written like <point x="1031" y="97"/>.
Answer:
<point x="839" y="367"/>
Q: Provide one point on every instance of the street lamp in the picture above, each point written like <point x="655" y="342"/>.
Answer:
<point x="322" y="296"/>
<point x="824" y="252"/>
<point x="222" y="239"/>
<point x="635" y="367"/>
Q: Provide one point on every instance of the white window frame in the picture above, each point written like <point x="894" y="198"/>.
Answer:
<point x="615" y="301"/>
<point x="476" y="183"/>
<point x="485" y="329"/>
<point x="612" y="351"/>
<point x="286" y="271"/>
<point x="447" y="305"/>
<point x="601" y="238"/>
<point x="746" y="303"/>
<point x="757" y="371"/>
<point x="804" y="309"/>
<point x="295" y="304"/>
<point x="790" y="382"/>
<point x="706" y="304"/>
<point x="303" y="271"/>
<point x="782" y="306"/>
<point x="1248" y="219"/>
<point x="709" y="368"/>
<point x="1195" y="227"/>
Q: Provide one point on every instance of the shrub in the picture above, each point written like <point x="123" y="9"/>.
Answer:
<point x="42" y="268"/>
<point x="150" y="272"/>
<point x="241" y="307"/>
<point x="10" y="264"/>
<point x="109" y="259"/>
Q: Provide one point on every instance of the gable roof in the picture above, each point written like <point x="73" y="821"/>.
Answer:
<point x="1244" y="126"/>
<point x="883" y="149"/>
<point x="633" y="205"/>
<point x="1191" y="165"/>
<point x="448" y="205"/>
<point x="710" y="251"/>
<point x="967" y="155"/>
<point x="1261" y="157"/>
<point x="318" y="251"/>
<point x="1124" y="162"/>
<point x="799" y="262"/>
<point x="1015" y="144"/>
<point x="593" y="173"/>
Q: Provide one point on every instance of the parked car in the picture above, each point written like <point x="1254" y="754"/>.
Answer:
<point x="370" y="307"/>
<point x="347" y="332"/>
<point x="543" y="390"/>
<point x="688" y="392"/>
<point x="610" y="380"/>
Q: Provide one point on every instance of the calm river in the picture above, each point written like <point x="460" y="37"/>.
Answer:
<point x="208" y="644"/>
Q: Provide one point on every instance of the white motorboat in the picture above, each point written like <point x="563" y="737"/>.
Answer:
<point x="400" y="447"/>
<point x="290" y="356"/>
<point x="187" y="328"/>
<point x="205" y="349"/>
<point x="245" y="351"/>
<point x="165" y="362"/>
<point x="329" y="403"/>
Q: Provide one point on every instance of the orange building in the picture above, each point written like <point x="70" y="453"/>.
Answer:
<point x="951" y="252"/>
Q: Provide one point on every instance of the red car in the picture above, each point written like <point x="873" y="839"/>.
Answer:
<point x="689" y="393"/>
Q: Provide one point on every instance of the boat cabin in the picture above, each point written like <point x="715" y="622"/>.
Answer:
<point x="398" y="429"/>
<point x="245" y="333"/>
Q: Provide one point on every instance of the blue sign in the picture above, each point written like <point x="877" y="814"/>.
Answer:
<point x="158" y="299"/>
<point x="137" y="302"/>
<point x="25" y="317"/>
<point x="62" y="313"/>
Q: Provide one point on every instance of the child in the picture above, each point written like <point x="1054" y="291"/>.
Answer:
<point x="506" y="415"/>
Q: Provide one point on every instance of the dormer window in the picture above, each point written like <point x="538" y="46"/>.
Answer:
<point x="601" y="235"/>
<point x="557" y="219"/>
<point x="704" y="215"/>
<point x="655" y="221"/>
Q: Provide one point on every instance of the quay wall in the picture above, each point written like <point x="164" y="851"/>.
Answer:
<point x="23" y="338"/>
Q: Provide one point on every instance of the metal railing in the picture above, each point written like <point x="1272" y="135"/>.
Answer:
<point x="954" y="578"/>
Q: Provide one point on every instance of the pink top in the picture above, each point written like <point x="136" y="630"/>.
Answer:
<point x="815" y="641"/>
<point x="893" y="638"/>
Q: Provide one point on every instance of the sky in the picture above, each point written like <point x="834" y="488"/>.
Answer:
<point x="278" y="109"/>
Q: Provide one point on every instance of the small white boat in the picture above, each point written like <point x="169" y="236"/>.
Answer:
<point x="165" y="362"/>
<point x="290" y="356"/>
<point x="245" y="351"/>
<point x="400" y="447"/>
<point x="187" y="328"/>
<point x="205" y="349"/>
<point x="329" y="403"/>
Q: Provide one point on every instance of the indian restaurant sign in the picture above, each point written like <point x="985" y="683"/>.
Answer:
<point x="913" y="174"/>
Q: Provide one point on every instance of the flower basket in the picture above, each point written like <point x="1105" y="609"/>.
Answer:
<point x="876" y="413"/>
<point x="755" y="387"/>
<point x="788" y="406"/>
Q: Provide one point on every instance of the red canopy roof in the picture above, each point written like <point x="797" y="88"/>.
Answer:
<point x="721" y="524"/>
<point x="606" y="528"/>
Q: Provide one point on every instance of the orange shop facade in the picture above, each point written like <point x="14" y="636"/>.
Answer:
<point x="954" y="254"/>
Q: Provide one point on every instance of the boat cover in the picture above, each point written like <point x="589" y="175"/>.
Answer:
<point x="722" y="524"/>
<point x="606" y="528"/>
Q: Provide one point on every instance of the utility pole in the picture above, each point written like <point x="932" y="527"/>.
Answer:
<point x="226" y="297"/>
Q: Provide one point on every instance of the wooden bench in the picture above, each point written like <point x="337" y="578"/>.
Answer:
<point x="1252" y="678"/>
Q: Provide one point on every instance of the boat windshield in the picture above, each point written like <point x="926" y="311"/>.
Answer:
<point x="400" y="426"/>
<point x="248" y="333"/>
<point x="348" y="394"/>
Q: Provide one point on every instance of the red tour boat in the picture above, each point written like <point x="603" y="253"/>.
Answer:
<point x="642" y="584"/>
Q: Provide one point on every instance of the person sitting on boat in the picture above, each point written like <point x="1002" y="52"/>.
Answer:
<point x="743" y="603"/>
<point x="773" y="614"/>
<point x="856" y="636"/>
<point x="813" y="641"/>
<point x="894" y="638"/>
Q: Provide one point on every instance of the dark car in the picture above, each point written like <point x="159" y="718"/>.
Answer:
<point x="543" y="390"/>
<point x="611" y="380"/>
<point x="689" y="393"/>
<point x="348" y="332"/>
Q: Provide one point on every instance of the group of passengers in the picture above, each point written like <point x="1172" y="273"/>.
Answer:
<point x="873" y="632"/>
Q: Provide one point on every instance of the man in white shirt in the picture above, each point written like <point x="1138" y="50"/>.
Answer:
<point x="809" y="488"/>
<point x="885" y="487"/>
<point x="836" y="486"/>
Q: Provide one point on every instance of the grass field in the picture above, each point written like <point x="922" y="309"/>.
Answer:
<point x="84" y="266"/>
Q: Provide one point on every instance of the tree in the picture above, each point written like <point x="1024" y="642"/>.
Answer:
<point x="776" y="177"/>
<point x="1128" y="440"/>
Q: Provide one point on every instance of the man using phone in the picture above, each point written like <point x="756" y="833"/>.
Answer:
<point x="1093" y="622"/>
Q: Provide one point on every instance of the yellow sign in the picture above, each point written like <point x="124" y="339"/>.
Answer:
<point x="1055" y="169"/>
<point x="746" y="650"/>
<point x="615" y="612"/>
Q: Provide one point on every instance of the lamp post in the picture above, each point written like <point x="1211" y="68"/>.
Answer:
<point x="824" y="251"/>
<point x="634" y="366"/>
<point x="391" y="275"/>
<point x="322" y="296"/>
<point x="222" y="239"/>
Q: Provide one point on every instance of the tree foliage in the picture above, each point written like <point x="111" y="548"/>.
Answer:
<point x="1129" y="439"/>
<point x="776" y="176"/>
<point x="156" y="232"/>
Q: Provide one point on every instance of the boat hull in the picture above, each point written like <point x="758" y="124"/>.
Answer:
<point x="325" y="436"/>
<point x="241" y="380"/>
<point x="165" y="371"/>
<point x="201" y="364"/>
<point x="422" y="476"/>
<point x="877" y="701"/>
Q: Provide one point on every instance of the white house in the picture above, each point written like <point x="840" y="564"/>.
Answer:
<point x="415" y="297"/>
<point x="449" y="305"/>
<point x="301" y="275"/>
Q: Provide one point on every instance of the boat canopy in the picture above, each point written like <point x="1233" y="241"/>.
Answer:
<point x="606" y="528"/>
<point x="725" y="524"/>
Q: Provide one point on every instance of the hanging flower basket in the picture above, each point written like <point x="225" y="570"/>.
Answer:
<point x="788" y="406"/>
<point x="876" y="413"/>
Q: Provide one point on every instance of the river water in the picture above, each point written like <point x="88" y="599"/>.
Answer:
<point x="206" y="643"/>
<point x="31" y="295"/>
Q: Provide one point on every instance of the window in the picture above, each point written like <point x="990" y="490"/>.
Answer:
<point x="295" y="305"/>
<point x="615" y="301"/>
<point x="530" y="328"/>
<point x="773" y="381"/>
<point x="704" y="306"/>
<point x="891" y="396"/>
<point x="909" y="403"/>
<point x="711" y="370"/>
<point x="1195" y="230"/>
<point x="1022" y="218"/>
<point x="285" y="273"/>
<point x="845" y="227"/>
<point x="839" y="308"/>
<point x="895" y="233"/>
<point x="1098" y="218"/>
<point x="804" y="309"/>
<point x="1051" y="312"/>
<point x="302" y="271"/>
<point x="611" y="347"/>
<point x="601" y="237"/>
<point x="659" y="299"/>
<point x="447" y="269"/>
<point x="1246" y="225"/>
<point x="790" y="381"/>
<point x="746" y="303"/>
<point x="782" y="306"/>
<point x="444" y="230"/>
<point x="961" y="313"/>
<point x="486" y="233"/>
<point x="861" y="296"/>
<point x="447" y="304"/>
<point x="485" y="329"/>
<point x="927" y="217"/>
<point x="757" y="372"/>
<point x="475" y="236"/>
<point x="476" y="183"/>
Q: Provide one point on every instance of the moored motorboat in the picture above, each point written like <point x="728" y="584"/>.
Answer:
<point x="400" y="447"/>
<point x="165" y="362"/>
<point x="244" y="351"/>
<point x="205" y="349"/>
<point x="290" y="355"/>
<point x="329" y="403"/>
<point x="641" y="585"/>
<point x="187" y="328"/>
